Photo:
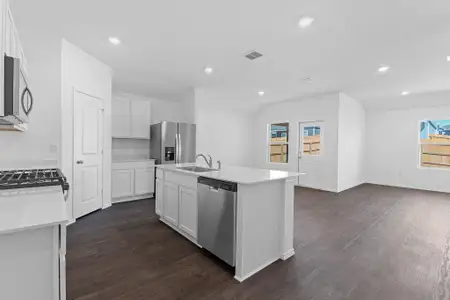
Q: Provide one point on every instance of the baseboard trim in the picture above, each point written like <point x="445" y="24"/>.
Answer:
<point x="288" y="254"/>
<point x="248" y="275"/>
<point x="191" y="239"/>
<point x="316" y="188"/>
<point x="353" y="186"/>
<point x="407" y="187"/>
<point x="107" y="206"/>
<point x="128" y="199"/>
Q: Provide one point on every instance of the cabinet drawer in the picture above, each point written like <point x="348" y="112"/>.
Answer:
<point x="133" y="165"/>
<point x="181" y="179"/>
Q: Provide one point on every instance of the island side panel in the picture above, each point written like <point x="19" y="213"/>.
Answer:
<point x="260" y="211"/>
<point x="287" y="238"/>
<point x="29" y="264"/>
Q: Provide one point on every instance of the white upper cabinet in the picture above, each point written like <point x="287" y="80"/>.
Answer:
<point x="9" y="44"/>
<point x="130" y="118"/>
<point x="140" y="119"/>
<point x="121" y="116"/>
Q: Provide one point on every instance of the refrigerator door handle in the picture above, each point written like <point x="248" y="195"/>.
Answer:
<point x="179" y="149"/>
<point x="176" y="148"/>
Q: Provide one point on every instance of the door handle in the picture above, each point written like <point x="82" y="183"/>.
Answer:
<point x="80" y="162"/>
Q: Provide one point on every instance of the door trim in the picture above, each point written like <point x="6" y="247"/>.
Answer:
<point x="75" y="90"/>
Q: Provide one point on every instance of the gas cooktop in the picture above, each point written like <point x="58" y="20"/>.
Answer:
<point x="16" y="179"/>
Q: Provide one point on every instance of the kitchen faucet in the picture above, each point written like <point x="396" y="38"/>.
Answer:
<point x="208" y="161"/>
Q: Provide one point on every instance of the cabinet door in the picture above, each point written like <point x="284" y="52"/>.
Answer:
<point x="122" y="183"/>
<point x="158" y="197"/>
<point x="188" y="211"/>
<point x="144" y="181"/>
<point x="170" y="211"/>
<point x="120" y="118"/>
<point x="140" y="119"/>
<point x="9" y="33"/>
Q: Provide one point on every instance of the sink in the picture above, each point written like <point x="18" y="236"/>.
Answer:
<point x="196" y="169"/>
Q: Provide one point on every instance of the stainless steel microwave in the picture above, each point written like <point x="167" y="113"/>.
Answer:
<point x="17" y="98"/>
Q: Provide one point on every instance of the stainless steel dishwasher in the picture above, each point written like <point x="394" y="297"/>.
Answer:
<point x="217" y="218"/>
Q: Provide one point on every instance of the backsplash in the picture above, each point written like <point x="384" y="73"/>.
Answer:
<point x="130" y="149"/>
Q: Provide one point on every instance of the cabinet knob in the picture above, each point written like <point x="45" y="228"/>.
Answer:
<point x="80" y="162"/>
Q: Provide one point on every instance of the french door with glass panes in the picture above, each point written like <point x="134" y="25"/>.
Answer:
<point x="311" y="147"/>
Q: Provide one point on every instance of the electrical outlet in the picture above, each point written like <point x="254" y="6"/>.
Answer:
<point x="53" y="148"/>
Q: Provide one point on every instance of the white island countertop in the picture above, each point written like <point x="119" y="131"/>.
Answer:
<point x="241" y="175"/>
<point x="30" y="208"/>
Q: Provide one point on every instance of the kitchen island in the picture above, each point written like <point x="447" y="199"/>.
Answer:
<point x="264" y="214"/>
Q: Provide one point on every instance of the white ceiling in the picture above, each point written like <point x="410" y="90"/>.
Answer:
<point x="166" y="44"/>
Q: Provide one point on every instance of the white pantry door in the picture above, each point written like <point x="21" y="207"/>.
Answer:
<point x="88" y="154"/>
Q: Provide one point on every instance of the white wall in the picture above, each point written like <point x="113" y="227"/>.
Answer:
<point x="392" y="142"/>
<point x="85" y="73"/>
<point x="321" y="173"/>
<point x="223" y="133"/>
<point x="123" y="149"/>
<point x="351" y="143"/>
<point x="39" y="146"/>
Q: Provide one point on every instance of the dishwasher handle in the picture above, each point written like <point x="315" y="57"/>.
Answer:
<point x="213" y="189"/>
<point x="216" y="185"/>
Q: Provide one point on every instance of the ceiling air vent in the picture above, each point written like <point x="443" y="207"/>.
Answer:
<point x="253" y="55"/>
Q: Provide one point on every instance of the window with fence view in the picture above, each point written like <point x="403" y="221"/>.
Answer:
<point x="278" y="142"/>
<point x="435" y="143"/>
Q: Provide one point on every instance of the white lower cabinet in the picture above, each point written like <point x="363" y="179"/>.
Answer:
<point x="122" y="183"/>
<point x="144" y="181"/>
<point x="188" y="211"/>
<point x="171" y="203"/>
<point x="159" y="196"/>
<point x="176" y="202"/>
<point x="32" y="264"/>
<point x="132" y="181"/>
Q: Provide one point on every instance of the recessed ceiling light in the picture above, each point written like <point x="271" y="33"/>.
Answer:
<point x="305" y="21"/>
<point x="209" y="70"/>
<point x="383" y="69"/>
<point x="261" y="93"/>
<point x="113" y="40"/>
<point x="448" y="58"/>
<point x="406" y="93"/>
<point x="308" y="79"/>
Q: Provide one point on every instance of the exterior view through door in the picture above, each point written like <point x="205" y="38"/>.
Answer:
<point x="88" y="154"/>
<point x="310" y="150"/>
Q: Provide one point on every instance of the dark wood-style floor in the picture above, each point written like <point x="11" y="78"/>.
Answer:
<point x="371" y="242"/>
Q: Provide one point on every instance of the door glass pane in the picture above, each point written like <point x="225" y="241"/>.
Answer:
<point x="279" y="153"/>
<point x="312" y="140"/>
<point x="279" y="132"/>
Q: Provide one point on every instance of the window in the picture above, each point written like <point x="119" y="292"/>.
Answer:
<point x="435" y="143"/>
<point x="311" y="139"/>
<point x="278" y="142"/>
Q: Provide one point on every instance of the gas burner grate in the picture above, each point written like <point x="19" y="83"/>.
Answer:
<point x="14" y="179"/>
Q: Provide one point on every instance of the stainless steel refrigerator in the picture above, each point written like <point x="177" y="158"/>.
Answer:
<point x="172" y="142"/>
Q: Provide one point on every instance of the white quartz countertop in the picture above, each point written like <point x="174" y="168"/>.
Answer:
<point x="242" y="175"/>
<point x="29" y="208"/>
<point x="130" y="159"/>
